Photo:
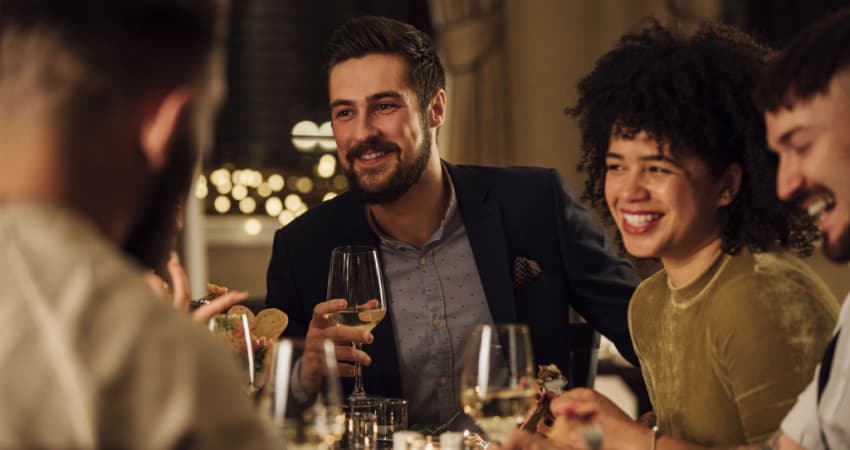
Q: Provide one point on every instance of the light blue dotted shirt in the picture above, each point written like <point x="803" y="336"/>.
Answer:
<point x="436" y="298"/>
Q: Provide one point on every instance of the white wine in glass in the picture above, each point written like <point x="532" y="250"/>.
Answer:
<point x="365" y="320"/>
<point x="497" y="384"/>
<point x="355" y="276"/>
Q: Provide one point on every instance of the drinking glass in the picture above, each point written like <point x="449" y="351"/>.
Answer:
<point x="252" y="352"/>
<point x="355" y="275"/>
<point x="304" y="420"/>
<point x="497" y="383"/>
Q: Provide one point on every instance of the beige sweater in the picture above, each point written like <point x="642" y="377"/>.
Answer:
<point x="91" y="359"/>
<point x="725" y="356"/>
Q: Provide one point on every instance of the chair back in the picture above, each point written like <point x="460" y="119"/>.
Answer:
<point x="584" y="347"/>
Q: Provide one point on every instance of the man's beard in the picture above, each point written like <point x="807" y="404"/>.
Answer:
<point x="401" y="179"/>
<point x="154" y="234"/>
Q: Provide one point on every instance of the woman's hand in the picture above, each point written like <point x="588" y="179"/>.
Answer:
<point x="583" y="405"/>
<point x="180" y="294"/>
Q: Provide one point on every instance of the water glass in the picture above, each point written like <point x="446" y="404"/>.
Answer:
<point x="362" y="430"/>
<point x="392" y="417"/>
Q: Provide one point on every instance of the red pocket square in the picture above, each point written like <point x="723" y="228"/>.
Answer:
<point x="525" y="271"/>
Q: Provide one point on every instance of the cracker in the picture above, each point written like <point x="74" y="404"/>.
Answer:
<point x="238" y="310"/>
<point x="270" y="323"/>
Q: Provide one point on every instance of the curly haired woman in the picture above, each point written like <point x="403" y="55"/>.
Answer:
<point x="730" y="330"/>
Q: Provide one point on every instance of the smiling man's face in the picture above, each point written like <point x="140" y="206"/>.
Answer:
<point x="383" y="140"/>
<point x="812" y="139"/>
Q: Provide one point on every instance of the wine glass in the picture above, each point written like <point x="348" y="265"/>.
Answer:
<point x="317" y="421"/>
<point x="355" y="275"/>
<point x="251" y="352"/>
<point x="498" y="387"/>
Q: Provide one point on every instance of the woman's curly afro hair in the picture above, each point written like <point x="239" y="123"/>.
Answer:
<point x="693" y="93"/>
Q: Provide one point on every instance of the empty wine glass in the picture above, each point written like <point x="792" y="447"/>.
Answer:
<point x="304" y="420"/>
<point x="497" y="383"/>
<point x="355" y="275"/>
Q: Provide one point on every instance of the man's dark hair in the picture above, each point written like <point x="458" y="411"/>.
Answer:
<point x="808" y="64"/>
<point x="114" y="50"/>
<point x="692" y="93"/>
<point x="363" y="35"/>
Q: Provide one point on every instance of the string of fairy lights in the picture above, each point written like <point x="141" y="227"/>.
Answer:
<point x="249" y="192"/>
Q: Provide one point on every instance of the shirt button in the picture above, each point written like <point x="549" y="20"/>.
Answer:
<point x="436" y="322"/>
<point x="444" y="380"/>
<point x="423" y="260"/>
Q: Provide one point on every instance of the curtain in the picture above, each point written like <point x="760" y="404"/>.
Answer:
<point x="470" y="36"/>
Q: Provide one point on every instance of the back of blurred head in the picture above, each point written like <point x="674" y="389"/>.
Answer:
<point x="104" y="107"/>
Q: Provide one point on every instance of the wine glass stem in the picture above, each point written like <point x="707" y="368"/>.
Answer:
<point x="358" y="391"/>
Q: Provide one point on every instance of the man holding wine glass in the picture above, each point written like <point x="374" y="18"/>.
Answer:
<point x="457" y="246"/>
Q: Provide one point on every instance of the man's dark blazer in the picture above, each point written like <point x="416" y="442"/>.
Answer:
<point x="508" y="213"/>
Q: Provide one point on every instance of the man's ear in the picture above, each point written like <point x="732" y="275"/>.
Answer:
<point x="158" y="124"/>
<point x="437" y="111"/>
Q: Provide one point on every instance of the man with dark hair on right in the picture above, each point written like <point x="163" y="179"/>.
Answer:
<point x="104" y="107"/>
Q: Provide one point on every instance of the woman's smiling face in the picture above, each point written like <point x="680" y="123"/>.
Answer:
<point x="665" y="207"/>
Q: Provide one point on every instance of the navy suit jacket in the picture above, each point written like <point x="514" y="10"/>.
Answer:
<point x="508" y="213"/>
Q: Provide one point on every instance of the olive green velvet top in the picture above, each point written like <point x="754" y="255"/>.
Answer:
<point x="725" y="356"/>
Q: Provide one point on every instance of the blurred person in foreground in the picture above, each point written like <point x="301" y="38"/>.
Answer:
<point x="103" y="108"/>
<point x="805" y="94"/>
<point x="459" y="245"/>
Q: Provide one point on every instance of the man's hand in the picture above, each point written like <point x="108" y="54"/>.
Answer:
<point x="321" y="328"/>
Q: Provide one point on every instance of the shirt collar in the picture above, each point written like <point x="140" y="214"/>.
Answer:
<point x="451" y="220"/>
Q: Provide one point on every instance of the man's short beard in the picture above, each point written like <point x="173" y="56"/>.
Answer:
<point x="400" y="181"/>
<point x="153" y="236"/>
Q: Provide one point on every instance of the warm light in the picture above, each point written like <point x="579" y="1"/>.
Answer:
<point x="276" y="182"/>
<point x="220" y="176"/>
<point x="264" y="190"/>
<point x="326" y="166"/>
<point x="224" y="188"/>
<point x="222" y="204"/>
<point x="304" y="135"/>
<point x="253" y="227"/>
<point x="292" y="202"/>
<point x="285" y="217"/>
<point x="236" y="177"/>
<point x="247" y="205"/>
<point x="329" y="196"/>
<point x="201" y="188"/>
<point x="252" y="178"/>
<point x="304" y="185"/>
<point x="301" y="210"/>
<point x="239" y="192"/>
<point x="340" y="182"/>
<point x="326" y="141"/>
<point x="274" y="206"/>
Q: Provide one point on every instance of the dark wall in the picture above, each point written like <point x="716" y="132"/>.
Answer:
<point x="275" y="73"/>
<point x="775" y="22"/>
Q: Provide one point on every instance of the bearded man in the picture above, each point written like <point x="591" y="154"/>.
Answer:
<point x="459" y="245"/>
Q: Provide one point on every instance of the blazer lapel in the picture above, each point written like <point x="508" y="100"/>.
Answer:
<point x="482" y="217"/>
